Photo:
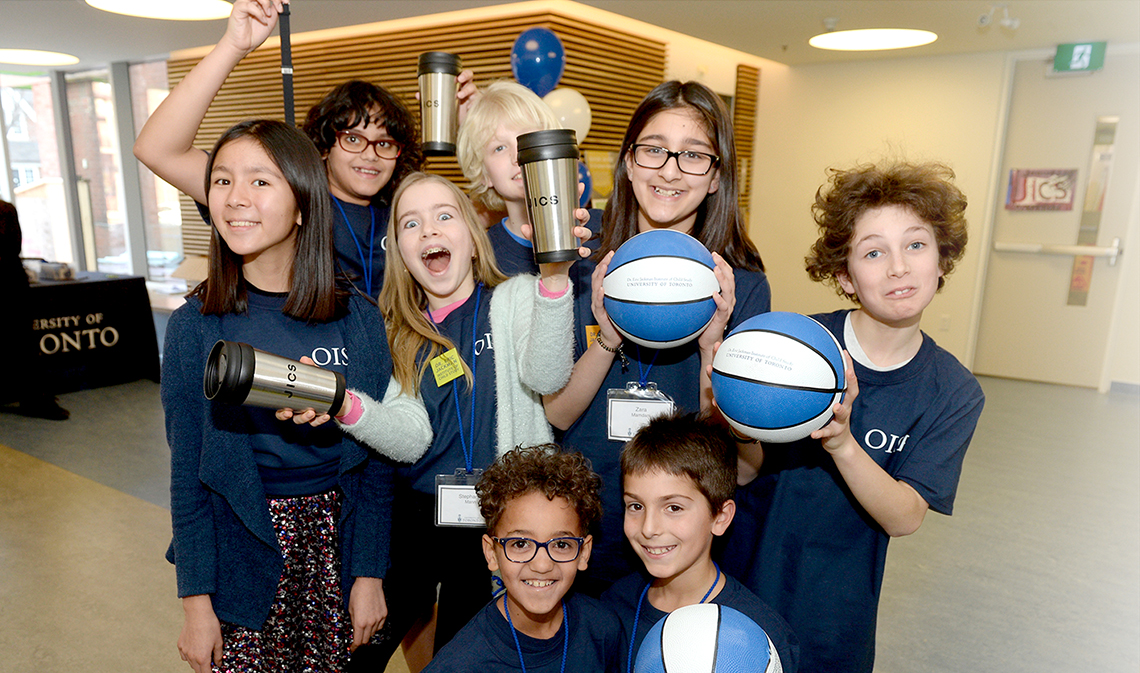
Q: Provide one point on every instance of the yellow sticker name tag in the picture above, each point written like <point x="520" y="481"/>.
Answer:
<point x="591" y="334"/>
<point x="447" y="367"/>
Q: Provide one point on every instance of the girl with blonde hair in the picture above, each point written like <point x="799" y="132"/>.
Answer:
<point x="481" y="350"/>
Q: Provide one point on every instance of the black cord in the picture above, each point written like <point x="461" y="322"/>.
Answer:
<point x="286" y="65"/>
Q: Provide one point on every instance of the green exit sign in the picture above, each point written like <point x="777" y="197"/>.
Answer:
<point x="1079" y="57"/>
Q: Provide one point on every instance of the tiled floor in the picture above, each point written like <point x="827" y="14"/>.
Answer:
<point x="1038" y="570"/>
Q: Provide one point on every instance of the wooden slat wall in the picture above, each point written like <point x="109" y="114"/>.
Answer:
<point x="744" y="127"/>
<point x="613" y="70"/>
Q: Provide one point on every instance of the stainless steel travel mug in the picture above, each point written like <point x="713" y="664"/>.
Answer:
<point x="549" y="163"/>
<point x="439" y="115"/>
<point x="238" y="373"/>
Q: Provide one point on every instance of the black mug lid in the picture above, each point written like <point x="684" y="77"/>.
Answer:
<point x="548" y="144"/>
<point x="439" y="61"/>
<point x="229" y="372"/>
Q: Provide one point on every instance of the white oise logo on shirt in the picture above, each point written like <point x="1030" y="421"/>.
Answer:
<point x="484" y="343"/>
<point x="877" y="440"/>
<point x="324" y="357"/>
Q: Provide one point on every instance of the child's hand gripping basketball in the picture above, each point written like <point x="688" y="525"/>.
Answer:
<point x="725" y="303"/>
<point x="608" y="333"/>
<point x="836" y="435"/>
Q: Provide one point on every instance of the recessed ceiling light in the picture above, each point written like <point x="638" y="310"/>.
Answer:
<point x="872" y="39"/>
<point x="36" y="57"/>
<point x="183" y="10"/>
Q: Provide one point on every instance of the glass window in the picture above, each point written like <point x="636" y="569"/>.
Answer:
<point x="163" y="217"/>
<point x="34" y="157"/>
<point x="94" y="143"/>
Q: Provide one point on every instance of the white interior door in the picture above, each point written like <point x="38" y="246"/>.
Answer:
<point x="1029" y="328"/>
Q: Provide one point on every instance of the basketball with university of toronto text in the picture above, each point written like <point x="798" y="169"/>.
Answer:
<point x="777" y="376"/>
<point x="659" y="288"/>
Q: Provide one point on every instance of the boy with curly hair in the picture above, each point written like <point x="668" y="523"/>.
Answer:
<point x="815" y="516"/>
<point x="538" y="503"/>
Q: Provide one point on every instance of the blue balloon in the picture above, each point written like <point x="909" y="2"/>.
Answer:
<point x="585" y="178"/>
<point x="538" y="59"/>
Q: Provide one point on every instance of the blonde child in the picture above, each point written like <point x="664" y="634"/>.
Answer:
<point x="481" y="350"/>
<point x="487" y="150"/>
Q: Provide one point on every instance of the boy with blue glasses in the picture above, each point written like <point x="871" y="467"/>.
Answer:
<point x="538" y="503"/>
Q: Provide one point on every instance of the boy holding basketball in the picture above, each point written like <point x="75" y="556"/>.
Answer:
<point x="815" y="516"/>
<point x="678" y="476"/>
<point x="538" y="503"/>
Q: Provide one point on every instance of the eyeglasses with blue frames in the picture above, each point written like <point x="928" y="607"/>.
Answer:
<point x="690" y="162"/>
<point x="524" y="549"/>
<point x="385" y="148"/>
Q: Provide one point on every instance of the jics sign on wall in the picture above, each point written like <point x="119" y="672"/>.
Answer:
<point x="1041" y="189"/>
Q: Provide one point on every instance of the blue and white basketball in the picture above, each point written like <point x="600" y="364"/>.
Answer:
<point x="659" y="288"/>
<point x="777" y="376"/>
<point x="707" y="638"/>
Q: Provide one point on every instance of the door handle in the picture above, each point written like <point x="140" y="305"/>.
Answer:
<point x="1111" y="252"/>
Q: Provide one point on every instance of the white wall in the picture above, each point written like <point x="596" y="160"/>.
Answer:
<point x="1124" y="343"/>
<point x="811" y="118"/>
<point x="947" y="108"/>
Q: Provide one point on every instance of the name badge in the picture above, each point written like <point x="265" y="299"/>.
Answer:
<point x="456" y="502"/>
<point x="631" y="408"/>
<point x="446" y="367"/>
<point x="592" y="333"/>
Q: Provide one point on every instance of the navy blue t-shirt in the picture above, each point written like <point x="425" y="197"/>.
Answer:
<point x="360" y="240"/>
<point x="623" y="598"/>
<point x="799" y="539"/>
<point x="514" y="255"/>
<point x="293" y="460"/>
<point x="676" y="371"/>
<point x="486" y="644"/>
<point x="446" y="451"/>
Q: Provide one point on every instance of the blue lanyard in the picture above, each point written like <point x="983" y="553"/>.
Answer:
<point x="637" y="615"/>
<point x="468" y="452"/>
<point x="643" y="376"/>
<point x="367" y="267"/>
<point x="565" y="634"/>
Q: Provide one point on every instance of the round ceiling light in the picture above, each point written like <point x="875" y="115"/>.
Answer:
<point x="36" y="57"/>
<point x="872" y="39"/>
<point x="183" y="10"/>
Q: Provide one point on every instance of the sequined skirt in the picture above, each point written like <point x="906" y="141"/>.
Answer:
<point x="308" y="628"/>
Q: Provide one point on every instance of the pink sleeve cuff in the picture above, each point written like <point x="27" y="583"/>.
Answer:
<point x="355" y="412"/>
<point x="548" y="294"/>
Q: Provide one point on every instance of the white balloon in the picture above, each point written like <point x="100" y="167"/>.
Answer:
<point x="571" y="109"/>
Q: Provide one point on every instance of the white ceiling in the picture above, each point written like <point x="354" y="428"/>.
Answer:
<point x="774" y="29"/>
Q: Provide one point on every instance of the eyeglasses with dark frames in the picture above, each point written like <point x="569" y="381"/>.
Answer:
<point x="524" y="549"/>
<point x="385" y="148"/>
<point x="689" y="161"/>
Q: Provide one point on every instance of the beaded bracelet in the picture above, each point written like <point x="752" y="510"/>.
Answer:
<point x="620" y="353"/>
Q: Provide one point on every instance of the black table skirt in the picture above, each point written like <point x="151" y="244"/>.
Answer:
<point x="96" y="330"/>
